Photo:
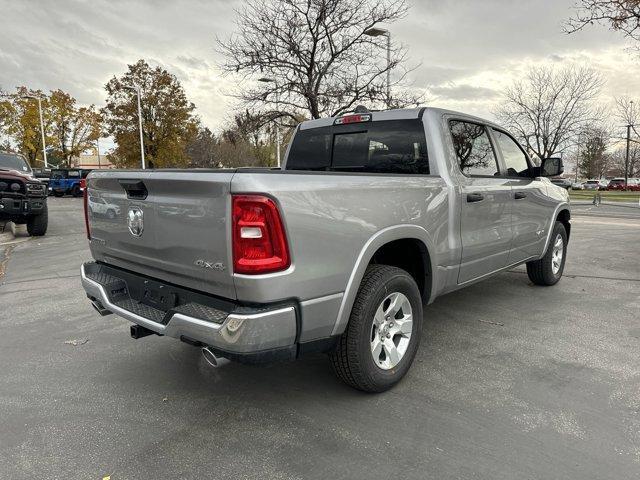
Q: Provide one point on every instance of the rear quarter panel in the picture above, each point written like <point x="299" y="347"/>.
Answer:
<point x="329" y="219"/>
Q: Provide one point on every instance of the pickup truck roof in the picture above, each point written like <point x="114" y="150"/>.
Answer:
<point x="397" y="114"/>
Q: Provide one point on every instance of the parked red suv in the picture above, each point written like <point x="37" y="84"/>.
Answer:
<point x="23" y="198"/>
<point x="619" y="184"/>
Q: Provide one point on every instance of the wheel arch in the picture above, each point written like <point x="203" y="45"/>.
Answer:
<point x="390" y="246"/>
<point x="561" y="213"/>
<point x="564" y="217"/>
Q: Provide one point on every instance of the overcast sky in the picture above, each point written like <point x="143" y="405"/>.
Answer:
<point x="468" y="50"/>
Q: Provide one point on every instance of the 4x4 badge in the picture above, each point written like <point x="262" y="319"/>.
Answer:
<point x="219" y="266"/>
<point x="135" y="221"/>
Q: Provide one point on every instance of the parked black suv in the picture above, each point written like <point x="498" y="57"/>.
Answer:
<point x="23" y="198"/>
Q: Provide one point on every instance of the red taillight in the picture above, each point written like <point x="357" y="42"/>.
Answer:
<point x="85" y="201"/>
<point x="259" y="239"/>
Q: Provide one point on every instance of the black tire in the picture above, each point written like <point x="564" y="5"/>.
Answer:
<point x="111" y="214"/>
<point x="58" y="194"/>
<point x="75" y="191"/>
<point x="541" y="271"/>
<point x="352" y="360"/>
<point x="37" y="224"/>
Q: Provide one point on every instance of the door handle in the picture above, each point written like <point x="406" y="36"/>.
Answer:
<point x="474" y="197"/>
<point x="520" y="195"/>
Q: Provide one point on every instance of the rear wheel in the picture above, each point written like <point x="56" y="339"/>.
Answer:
<point x="383" y="334"/>
<point x="37" y="224"/>
<point x="75" y="191"/>
<point x="548" y="270"/>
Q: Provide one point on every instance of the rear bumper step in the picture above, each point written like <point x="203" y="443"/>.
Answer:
<point x="231" y="329"/>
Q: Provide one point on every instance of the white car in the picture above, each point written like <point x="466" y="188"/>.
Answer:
<point x="594" y="185"/>
<point x="101" y="207"/>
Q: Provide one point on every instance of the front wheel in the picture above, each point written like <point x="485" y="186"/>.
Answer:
<point x="37" y="224"/>
<point x="383" y="333"/>
<point x="548" y="270"/>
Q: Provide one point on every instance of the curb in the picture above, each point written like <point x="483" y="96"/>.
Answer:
<point x="10" y="234"/>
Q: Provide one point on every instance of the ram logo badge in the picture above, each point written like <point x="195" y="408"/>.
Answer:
<point x="135" y="221"/>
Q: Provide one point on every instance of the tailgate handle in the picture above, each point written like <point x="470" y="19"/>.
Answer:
<point x="135" y="189"/>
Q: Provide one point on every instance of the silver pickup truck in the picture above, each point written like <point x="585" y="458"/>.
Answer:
<point x="372" y="216"/>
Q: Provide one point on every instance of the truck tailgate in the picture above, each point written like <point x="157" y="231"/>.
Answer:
<point x="185" y="234"/>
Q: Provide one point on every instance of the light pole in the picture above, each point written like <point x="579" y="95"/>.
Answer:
<point x="44" y="146"/>
<point x="626" y="158"/>
<point x="136" y="89"/>
<point x="271" y="80"/>
<point x="376" y="32"/>
<point x="98" y="152"/>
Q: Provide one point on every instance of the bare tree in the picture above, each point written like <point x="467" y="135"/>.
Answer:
<point x="627" y="112"/>
<point x="317" y="55"/>
<point x="619" y="161"/>
<point x="201" y="148"/>
<point x="619" y="15"/>
<point x="551" y="107"/>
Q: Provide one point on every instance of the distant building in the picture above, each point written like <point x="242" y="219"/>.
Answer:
<point x="91" y="161"/>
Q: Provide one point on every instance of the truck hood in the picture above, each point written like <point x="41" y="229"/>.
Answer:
<point x="17" y="175"/>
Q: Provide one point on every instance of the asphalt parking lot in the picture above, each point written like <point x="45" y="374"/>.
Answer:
<point x="512" y="381"/>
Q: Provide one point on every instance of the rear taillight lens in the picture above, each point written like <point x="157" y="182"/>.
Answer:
<point x="259" y="240"/>
<point x="85" y="201"/>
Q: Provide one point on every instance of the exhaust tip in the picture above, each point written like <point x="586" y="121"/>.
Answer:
<point x="212" y="359"/>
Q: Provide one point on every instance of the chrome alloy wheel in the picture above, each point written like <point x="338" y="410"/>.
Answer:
<point x="556" y="254"/>
<point x="391" y="331"/>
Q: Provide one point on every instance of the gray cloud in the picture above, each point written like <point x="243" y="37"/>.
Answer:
<point x="464" y="92"/>
<point x="467" y="50"/>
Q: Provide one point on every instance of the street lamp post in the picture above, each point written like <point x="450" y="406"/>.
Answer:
<point x="626" y="158"/>
<point x="376" y="32"/>
<point x="98" y="152"/>
<point x="271" y="80"/>
<point x="44" y="146"/>
<point x="136" y="89"/>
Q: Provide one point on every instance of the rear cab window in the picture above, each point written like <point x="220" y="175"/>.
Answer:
<point x="385" y="146"/>
<point x="473" y="149"/>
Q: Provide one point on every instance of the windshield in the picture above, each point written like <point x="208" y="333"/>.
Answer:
<point x="12" y="161"/>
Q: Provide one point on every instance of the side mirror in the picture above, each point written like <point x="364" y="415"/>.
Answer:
<point x="551" y="167"/>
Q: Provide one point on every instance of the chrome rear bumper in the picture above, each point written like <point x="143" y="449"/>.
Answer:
<point x="237" y="333"/>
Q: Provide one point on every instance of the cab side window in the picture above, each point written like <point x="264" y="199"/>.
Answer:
<point x="514" y="158"/>
<point x="473" y="149"/>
